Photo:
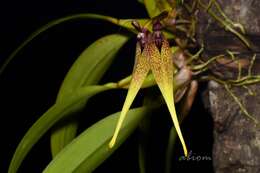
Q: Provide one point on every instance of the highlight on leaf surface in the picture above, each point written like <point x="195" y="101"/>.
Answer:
<point x="88" y="69"/>
<point x="152" y="53"/>
<point x="73" y="95"/>
<point x="89" y="149"/>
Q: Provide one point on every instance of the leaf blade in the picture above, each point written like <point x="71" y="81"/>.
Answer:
<point x="151" y="8"/>
<point x="121" y="22"/>
<point x="62" y="134"/>
<point x="47" y="120"/>
<point x="91" y="64"/>
<point x="52" y="115"/>
<point x="154" y="7"/>
<point x="92" y="145"/>
<point x="87" y="69"/>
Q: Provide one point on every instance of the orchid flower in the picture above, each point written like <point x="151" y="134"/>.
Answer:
<point x="153" y="53"/>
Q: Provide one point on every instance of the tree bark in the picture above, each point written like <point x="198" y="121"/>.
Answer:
<point x="236" y="145"/>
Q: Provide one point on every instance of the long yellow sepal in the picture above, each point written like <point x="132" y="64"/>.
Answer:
<point x="163" y="71"/>
<point x="161" y="64"/>
<point x="140" y="72"/>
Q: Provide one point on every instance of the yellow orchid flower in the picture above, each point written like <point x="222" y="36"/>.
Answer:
<point x="153" y="53"/>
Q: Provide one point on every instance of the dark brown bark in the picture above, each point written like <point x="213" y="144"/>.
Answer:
<point x="236" y="137"/>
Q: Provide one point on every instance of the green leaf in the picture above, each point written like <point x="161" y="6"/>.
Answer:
<point x="126" y="23"/>
<point x="155" y="7"/>
<point x="90" y="149"/>
<point x="151" y="8"/>
<point x="87" y="69"/>
<point x="76" y="101"/>
<point x="49" y="118"/>
<point x="62" y="134"/>
<point x="91" y="64"/>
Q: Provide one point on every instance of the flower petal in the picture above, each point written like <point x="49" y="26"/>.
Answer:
<point x="140" y="72"/>
<point x="163" y="69"/>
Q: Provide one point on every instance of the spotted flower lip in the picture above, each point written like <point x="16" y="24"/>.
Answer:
<point x="153" y="53"/>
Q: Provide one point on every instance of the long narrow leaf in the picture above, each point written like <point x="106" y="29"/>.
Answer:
<point x="91" y="64"/>
<point x="48" y="119"/>
<point x="155" y="7"/>
<point x="87" y="70"/>
<point x="62" y="134"/>
<point x="126" y="23"/>
<point x="90" y="149"/>
<point x="151" y="8"/>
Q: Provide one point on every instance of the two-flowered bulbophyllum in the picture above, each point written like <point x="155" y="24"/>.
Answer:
<point x="152" y="53"/>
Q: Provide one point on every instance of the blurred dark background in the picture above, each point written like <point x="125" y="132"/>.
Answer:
<point x="30" y="84"/>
